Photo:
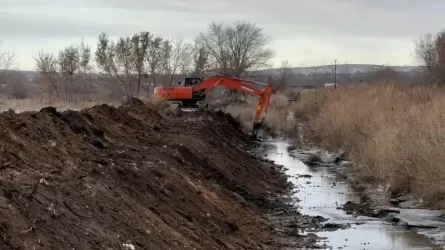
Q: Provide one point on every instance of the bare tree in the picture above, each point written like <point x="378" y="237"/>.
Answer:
<point x="426" y="53"/>
<point x="176" y="61"/>
<point x="157" y="56"/>
<point x="215" y="42"/>
<point x="128" y="58"/>
<point x="165" y="66"/>
<point x="182" y="58"/>
<point x="69" y="63"/>
<point x="115" y="59"/>
<point x="7" y="62"/>
<point x="46" y="64"/>
<point x="18" y="86"/>
<point x="285" y="75"/>
<point x="439" y="71"/>
<point x="236" y="48"/>
<point x="201" y="61"/>
<point x="75" y="70"/>
<point x="140" y="44"/>
<point x="125" y="62"/>
<point x="85" y="67"/>
<point x="430" y="53"/>
<point x="105" y="55"/>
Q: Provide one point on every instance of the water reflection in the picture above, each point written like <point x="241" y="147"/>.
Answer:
<point x="322" y="194"/>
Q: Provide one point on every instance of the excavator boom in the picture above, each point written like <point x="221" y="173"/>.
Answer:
<point x="238" y="84"/>
<point x="198" y="92"/>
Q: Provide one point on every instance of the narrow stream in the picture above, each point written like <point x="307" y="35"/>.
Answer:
<point x="323" y="193"/>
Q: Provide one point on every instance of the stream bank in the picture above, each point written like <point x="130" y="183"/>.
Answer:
<point x="345" y="218"/>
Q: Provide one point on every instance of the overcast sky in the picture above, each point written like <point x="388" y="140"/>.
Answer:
<point x="304" y="32"/>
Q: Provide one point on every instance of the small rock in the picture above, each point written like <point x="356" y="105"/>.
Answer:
<point x="305" y="176"/>
<point x="335" y="226"/>
<point x="129" y="246"/>
<point x="99" y="144"/>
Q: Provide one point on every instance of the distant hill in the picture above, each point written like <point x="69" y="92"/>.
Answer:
<point x="303" y="76"/>
<point x="321" y="69"/>
<point x="25" y="83"/>
<point x="341" y="69"/>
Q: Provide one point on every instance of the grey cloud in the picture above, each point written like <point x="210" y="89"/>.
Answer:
<point x="394" y="19"/>
<point x="362" y="28"/>
<point x="46" y="26"/>
<point x="172" y="5"/>
<point x="337" y="18"/>
<point x="397" y="4"/>
<point x="58" y="21"/>
<point x="39" y="3"/>
<point x="282" y="19"/>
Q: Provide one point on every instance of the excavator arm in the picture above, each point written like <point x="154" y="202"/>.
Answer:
<point x="242" y="85"/>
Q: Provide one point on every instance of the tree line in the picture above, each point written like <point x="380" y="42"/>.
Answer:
<point x="137" y="63"/>
<point x="133" y="65"/>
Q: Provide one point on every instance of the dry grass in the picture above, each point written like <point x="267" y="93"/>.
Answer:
<point x="394" y="135"/>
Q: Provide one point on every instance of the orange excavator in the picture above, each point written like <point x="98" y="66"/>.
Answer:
<point x="195" y="90"/>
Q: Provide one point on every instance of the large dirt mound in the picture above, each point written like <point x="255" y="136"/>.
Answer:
<point x="105" y="177"/>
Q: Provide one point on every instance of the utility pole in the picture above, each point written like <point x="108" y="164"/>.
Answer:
<point x="335" y="73"/>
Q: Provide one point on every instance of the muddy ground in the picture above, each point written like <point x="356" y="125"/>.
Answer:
<point x="131" y="178"/>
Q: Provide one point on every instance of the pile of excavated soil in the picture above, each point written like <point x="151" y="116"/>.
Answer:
<point x="129" y="178"/>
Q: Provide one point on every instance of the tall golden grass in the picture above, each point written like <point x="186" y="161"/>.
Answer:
<point x="394" y="134"/>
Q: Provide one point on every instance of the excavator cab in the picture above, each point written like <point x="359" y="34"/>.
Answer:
<point x="192" y="81"/>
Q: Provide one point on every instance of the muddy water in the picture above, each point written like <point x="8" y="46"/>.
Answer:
<point x="322" y="194"/>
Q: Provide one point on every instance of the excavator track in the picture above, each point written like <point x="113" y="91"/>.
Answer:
<point x="189" y="108"/>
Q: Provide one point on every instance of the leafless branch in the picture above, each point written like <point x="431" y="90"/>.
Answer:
<point x="7" y="62"/>
<point x="236" y="48"/>
<point x="46" y="65"/>
<point x="430" y="53"/>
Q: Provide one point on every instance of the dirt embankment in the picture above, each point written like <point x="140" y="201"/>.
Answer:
<point x="118" y="178"/>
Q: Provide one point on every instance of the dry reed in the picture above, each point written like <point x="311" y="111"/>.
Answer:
<point x="394" y="134"/>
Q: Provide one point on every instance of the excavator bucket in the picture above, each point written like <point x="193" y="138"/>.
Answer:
<point x="263" y="103"/>
<point x="256" y="127"/>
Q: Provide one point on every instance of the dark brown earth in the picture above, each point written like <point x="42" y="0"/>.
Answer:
<point x="104" y="177"/>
